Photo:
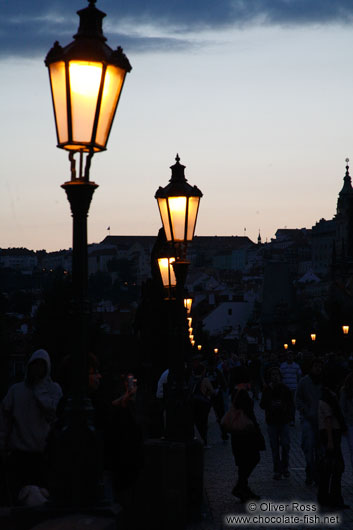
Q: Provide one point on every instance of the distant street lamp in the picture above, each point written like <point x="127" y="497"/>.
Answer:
<point x="313" y="341"/>
<point x="187" y="305"/>
<point x="199" y="347"/>
<point x="168" y="276"/>
<point x="86" y="79"/>
<point x="293" y="341"/>
<point x="285" y="346"/>
<point x="345" y="330"/>
<point x="215" y="351"/>
<point x="189" y="319"/>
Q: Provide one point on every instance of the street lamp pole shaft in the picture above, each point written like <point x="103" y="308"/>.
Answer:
<point x="78" y="463"/>
<point x="79" y="194"/>
<point x="179" y="424"/>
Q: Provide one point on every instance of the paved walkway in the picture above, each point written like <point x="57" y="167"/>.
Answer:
<point x="220" y="477"/>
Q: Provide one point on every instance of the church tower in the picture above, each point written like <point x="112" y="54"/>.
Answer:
<point x="344" y="219"/>
<point x="259" y="240"/>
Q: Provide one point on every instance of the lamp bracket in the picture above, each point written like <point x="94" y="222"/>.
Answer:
<point x="180" y="250"/>
<point x="82" y="176"/>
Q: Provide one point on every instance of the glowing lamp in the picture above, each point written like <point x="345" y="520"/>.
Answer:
<point x="313" y="337"/>
<point x="187" y="305"/>
<point x="167" y="272"/>
<point x="86" y="79"/>
<point x="192" y="343"/>
<point x="345" y="330"/>
<point x="215" y="351"/>
<point x="294" y="341"/>
<point x="285" y="346"/>
<point x="189" y="319"/>
<point x="191" y="337"/>
<point x="178" y="204"/>
<point x="190" y="331"/>
<point x="199" y="347"/>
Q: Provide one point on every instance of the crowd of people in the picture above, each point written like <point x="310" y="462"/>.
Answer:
<point x="312" y="391"/>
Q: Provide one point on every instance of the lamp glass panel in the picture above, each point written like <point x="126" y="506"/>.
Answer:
<point x="85" y="80"/>
<point x="167" y="272"/>
<point x="177" y="208"/>
<point x="163" y="210"/>
<point x="192" y="215"/>
<point x="113" y="82"/>
<point x="58" y="85"/>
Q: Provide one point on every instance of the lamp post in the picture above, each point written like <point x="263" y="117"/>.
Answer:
<point x="86" y="80"/>
<point x="178" y="204"/>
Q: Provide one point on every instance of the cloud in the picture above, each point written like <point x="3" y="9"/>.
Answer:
<point x="28" y="28"/>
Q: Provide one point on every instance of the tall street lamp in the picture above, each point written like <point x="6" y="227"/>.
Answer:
<point x="86" y="80"/>
<point x="178" y="204"/>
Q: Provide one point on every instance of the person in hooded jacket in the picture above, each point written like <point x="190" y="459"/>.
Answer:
<point x="27" y="413"/>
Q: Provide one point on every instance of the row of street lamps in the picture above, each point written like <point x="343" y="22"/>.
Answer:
<point x="313" y="336"/>
<point x="86" y="80"/>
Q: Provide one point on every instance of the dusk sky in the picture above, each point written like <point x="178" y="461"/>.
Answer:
<point x="256" y="96"/>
